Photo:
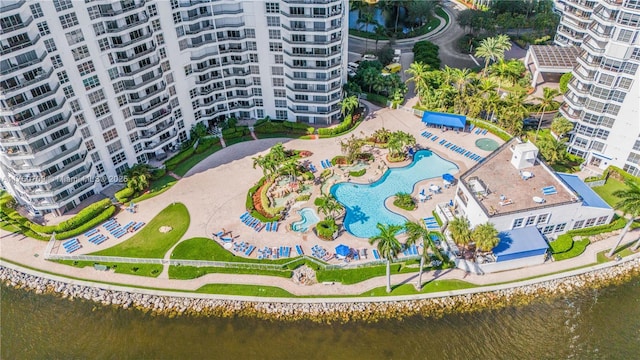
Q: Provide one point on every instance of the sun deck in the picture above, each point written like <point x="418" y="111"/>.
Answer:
<point x="501" y="188"/>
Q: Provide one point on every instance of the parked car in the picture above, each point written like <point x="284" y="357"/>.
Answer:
<point x="351" y="72"/>
<point x="391" y="69"/>
<point x="530" y="123"/>
<point x="369" y="57"/>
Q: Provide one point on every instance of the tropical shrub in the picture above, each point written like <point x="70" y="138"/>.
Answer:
<point x="124" y="195"/>
<point x="303" y="197"/>
<point x="564" y="82"/>
<point x="326" y="228"/>
<point x="404" y="201"/>
<point x="90" y="224"/>
<point x="427" y="53"/>
<point x="172" y="163"/>
<point x="83" y="216"/>
<point x="358" y="173"/>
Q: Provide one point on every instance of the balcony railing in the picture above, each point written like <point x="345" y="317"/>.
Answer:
<point x="34" y="99"/>
<point x="57" y="141"/>
<point x="139" y="110"/>
<point x="43" y="75"/>
<point x="161" y="114"/>
<point x="23" y="24"/>
<point x="112" y="12"/>
<point x="14" y="67"/>
<point x="131" y="85"/>
<point x="135" y="56"/>
<point x="145" y="134"/>
<point x="6" y="8"/>
<point x="114" y="29"/>
<point x="132" y="41"/>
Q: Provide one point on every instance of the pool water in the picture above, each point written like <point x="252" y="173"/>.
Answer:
<point x="364" y="203"/>
<point x="309" y="218"/>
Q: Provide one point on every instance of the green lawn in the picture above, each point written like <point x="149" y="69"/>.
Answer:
<point x="606" y="191"/>
<point x="577" y="249"/>
<point x="150" y="270"/>
<point x="245" y="290"/>
<point x="150" y="242"/>
<point x="194" y="159"/>
<point x="624" y="250"/>
<point x="192" y="272"/>
<point x="430" y="287"/>
<point x="207" y="249"/>
<point x="353" y="276"/>
<point x="157" y="187"/>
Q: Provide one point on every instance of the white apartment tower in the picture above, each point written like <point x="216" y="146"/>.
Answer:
<point x="89" y="88"/>
<point x="603" y="99"/>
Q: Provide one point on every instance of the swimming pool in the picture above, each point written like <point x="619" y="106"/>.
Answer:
<point x="309" y="218"/>
<point x="364" y="203"/>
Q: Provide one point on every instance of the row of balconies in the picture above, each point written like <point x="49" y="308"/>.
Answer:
<point x="304" y="78"/>
<point x="155" y="103"/>
<point x="131" y="85"/>
<point x="155" y="117"/>
<point x="34" y="132"/>
<point x="313" y="66"/>
<point x="130" y="55"/>
<point x="116" y="26"/>
<point x="131" y="41"/>
<point x="323" y="29"/>
<point x="145" y="134"/>
<point x="108" y="10"/>
<point x="153" y="145"/>
<point x="313" y="53"/>
<point x="19" y="101"/>
<point x="20" y="122"/>
<point x="19" y="84"/>
<point x="41" y="162"/>
<point x="21" y="25"/>
<point x="136" y="97"/>
<point x="14" y="65"/>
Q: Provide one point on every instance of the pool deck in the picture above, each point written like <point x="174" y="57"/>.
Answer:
<point x="214" y="192"/>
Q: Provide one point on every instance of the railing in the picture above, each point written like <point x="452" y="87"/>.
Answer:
<point x="42" y="76"/>
<point x="4" y="9"/>
<point x="24" y="65"/>
<point x="141" y="20"/>
<point x="135" y="56"/>
<point x="134" y="86"/>
<point x="123" y="10"/>
<point x="34" y="99"/>
<point x="132" y="41"/>
<point x="17" y="26"/>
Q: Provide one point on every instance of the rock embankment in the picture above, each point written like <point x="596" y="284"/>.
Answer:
<point x="325" y="311"/>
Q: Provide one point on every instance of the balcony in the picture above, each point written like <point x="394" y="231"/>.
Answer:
<point x="188" y="18"/>
<point x="43" y="75"/>
<point x="313" y="54"/>
<point x="142" y="19"/>
<point x="153" y="146"/>
<point x="34" y="99"/>
<point x="16" y="26"/>
<point x="6" y="8"/>
<point x="57" y="141"/>
<point x="135" y="98"/>
<point x="136" y="71"/>
<point x="209" y="78"/>
<point x="75" y="192"/>
<point x="228" y="12"/>
<point x="146" y="134"/>
<point x="135" y="56"/>
<point x="140" y="110"/>
<point x="132" y="41"/>
<point x="131" y="85"/>
<point x="593" y="45"/>
<point x="14" y="67"/>
<point x="112" y="12"/>
<point x="199" y="29"/>
<point x="330" y="77"/>
<point x="23" y="122"/>
<point x="158" y="115"/>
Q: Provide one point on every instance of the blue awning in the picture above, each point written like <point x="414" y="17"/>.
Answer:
<point x="601" y="156"/>
<point x="520" y="243"/>
<point x="448" y="177"/>
<point x="342" y="250"/>
<point x="442" y="119"/>
<point x="589" y="197"/>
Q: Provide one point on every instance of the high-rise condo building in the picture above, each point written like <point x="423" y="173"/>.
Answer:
<point x="89" y="88"/>
<point x="603" y="98"/>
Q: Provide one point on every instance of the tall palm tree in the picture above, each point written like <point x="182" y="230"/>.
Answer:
<point x="388" y="246"/>
<point x="630" y="204"/>
<point x="552" y="149"/>
<point x="349" y="104"/>
<point x="328" y="205"/>
<point x="380" y="32"/>
<point x="266" y="163"/>
<point x="138" y="176"/>
<point x="460" y="231"/>
<point x="492" y="49"/>
<point x="418" y="72"/>
<point x="367" y="18"/>
<point x="417" y="232"/>
<point x="547" y="100"/>
<point x="369" y="76"/>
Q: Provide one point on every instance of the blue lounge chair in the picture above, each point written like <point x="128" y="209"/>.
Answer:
<point x="91" y="232"/>
<point x="268" y="227"/>
<point x="249" y="250"/>
<point x="484" y="132"/>
<point x="101" y="240"/>
<point x="434" y="138"/>
<point x="442" y="141"/>
<point x="299" y="250"/>
<point x="138" y="226"/>
<point x="244" y="215"/>
<point x="471" y="126"/>
<point x="376" y="254"/>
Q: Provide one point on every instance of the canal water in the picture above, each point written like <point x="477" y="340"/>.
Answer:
<point x="590" y="324"/>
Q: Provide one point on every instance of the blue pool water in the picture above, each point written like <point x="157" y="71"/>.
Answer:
<point x="309" y="218"/>
<point x="364" y="203"/>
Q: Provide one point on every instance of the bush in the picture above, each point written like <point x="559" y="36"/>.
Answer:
<point x="343" y="127"/>
<point x="124" y="195"/>
<point x="404" y="201"/>
<point x="84" y="216"/>
<point x="325" y="173"/>
<point x="90" y="224"/>
<point x="304" y="197"/>
<point x="235" y="132"/>
<point x="158" y="173"/>
<point x="326" y="228"/>
<point x="564" y="82"/>
<point x="427" y="53"/>
<point x="172" y="163"/>
<point x="204" y="144"/>
<point x="357" y="173"/>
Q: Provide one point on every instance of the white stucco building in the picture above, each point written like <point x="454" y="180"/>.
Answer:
<point x="89" y="88"/>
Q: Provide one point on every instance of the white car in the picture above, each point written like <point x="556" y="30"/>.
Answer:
<point x="369" y="57"/>
<point x="351" y="73"/>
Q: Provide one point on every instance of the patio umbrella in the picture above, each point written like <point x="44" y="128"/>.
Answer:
<point x="342" y="250"/>
<point x="448" y="177"/>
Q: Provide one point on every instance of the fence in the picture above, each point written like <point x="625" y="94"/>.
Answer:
<point x="413" y="111"/>
<point x="596" y="183"/>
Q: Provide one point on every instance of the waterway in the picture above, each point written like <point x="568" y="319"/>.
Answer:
<point x="589" y="324"/>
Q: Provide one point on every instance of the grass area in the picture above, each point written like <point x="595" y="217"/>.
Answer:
<point x="157" y="187"/>
<point x="206" y="249"/>
<point x="443" y="14"/>
<point x="353" y="276"/>
<point x="194" y="159"/>
<point x="430" y="287"/>
<point x="606" y="191"/>
<point x="624" y="250"/>
<point x="150" y="242"/>
<point x="150" y="270"/>
<point x="577" y="249"/>
<point x="245" y="290"/>
<point x="192" y="272"/>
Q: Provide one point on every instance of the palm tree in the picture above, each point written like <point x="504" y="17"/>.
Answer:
<point x="397" y="142"/>
<point x="380" y="32"/>
<point x="415" y="232"/>
<point x="138" y="176"/>
<point x="460" y="231"/>
<point x="552" y="150"/>
<point x="630" y="204"/>
<point x="547" y="100"/>
<point x="349" y="104"/>
<point x="366" y="18"/>
<point x="266" y="163"/>
<point x="369" y="77"/>
<point x="492" y="49"/>
<point x="485" y="236"/>
<point x="328" y="205"/>
<point x="561" y="126"/>
<point x="418" y="72"/>
<point x="351" y="147"/>
<point x="388" y="246"/>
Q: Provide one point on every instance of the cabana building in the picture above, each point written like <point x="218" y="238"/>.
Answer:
<point x="443" y="120"/>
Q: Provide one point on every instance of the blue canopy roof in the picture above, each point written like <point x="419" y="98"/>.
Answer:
<point x="342" y="250"/>
<point x="589" y="197"/>
<point x="449" y="120"/>
<point x="448" y="177"/>
<point x="520" y="243"/>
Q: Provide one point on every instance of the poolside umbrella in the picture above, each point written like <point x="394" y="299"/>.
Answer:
<point x="342" y="250"/>
<point x="448" y="177"/>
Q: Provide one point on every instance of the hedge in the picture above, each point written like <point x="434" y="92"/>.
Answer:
<point x="343" y="127"/>
<point x="178" y="158"/>
<point x="124" y="195"/>
<point x="357" y="173"/>
<point x="204" y="144"/>
<point x="158" y="173"/>
<point x="620" y="174"/>
<point x="95" y="221"/>
<point x="235" y="132"/>
<point x="84" y="216"/>
<point x="326" y="228"/>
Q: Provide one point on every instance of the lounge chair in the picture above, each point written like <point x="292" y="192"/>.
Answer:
<point x="442" y="141"/>
<point x="274" y="226"/>
<point x="299" y="250"/>
<point x="434" y="138"/>
<point x="376" y="254"/>
<point x="249" y="250"/>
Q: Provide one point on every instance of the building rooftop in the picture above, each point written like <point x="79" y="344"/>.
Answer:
<point x="589" y="197"/>
<point x="520" y="243"/>
<point x="552" y="56"/>
<point x="501" y="188"/>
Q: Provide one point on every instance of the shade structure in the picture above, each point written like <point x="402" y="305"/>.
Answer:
<point x="342" y="250"/>
<point x="448" y="177"/>
<point x="442" y="119"/>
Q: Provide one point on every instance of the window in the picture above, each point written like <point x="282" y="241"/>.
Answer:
<point x="99" y="29"/>
<point x="602" y="220"/>
<point x="90" y="146"/>
<point x="531" y="220"/>
<point x="548" y="229"/>
<point x="578" y="224"/>
<point x="104" y="44"/>
<point x="273" y="21"/>
<point x="115" y="146"/>
<point x="36" y="10"/>
<point x="91" y="82"/>
<point x="100" y="168"/>
<point x="86" y="68"/>
<point x="75" y="105"/>
<point x="94" y="12"/>
<point x="517" y="223"/>
<point x="153" y="10"/>
<point x="56" y="61"/>
<point x="80" y="52"/>
<point x="74" y="37"/>
<point x="278" y="82"/>
<point x="85" y="132"/>
<point x="110" y="135"/>
<point x="279" y="59"/>
<point x="272" y="8"/>
<point x="252" y="45"/>
<point x="80" y="120"/>
<point x="122" y="100"/>
<point x="281" y="103"/>
<point x="296" y="10"/>
<point x="560" y="227"/>
<point x="68" y="92"/>
<point x="68" y="20"/>
<point x="274" y="34"/>
<point x="275" y="46"/>
<point x="254" y="69"/>
<point x="155" y="24"/>
<point x="590" y="222"/>
<point x="624" y="35"/>
<point x="50" y="45"/>
<point x="95" y="157"/>
<point x="43" y="28"/>
<point x="118" y="158"/>
<point x="62" y="77"/>
<point x="625" y="83"/>
<point x="277" y="70"/>
<point x="282" y="115"/>
<point x="101" y="110"/>
<point x="61" y="5"/>
<point x="256" y="81"/>
<point x="279" y="93"/>
<point x="256" y="91"/>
